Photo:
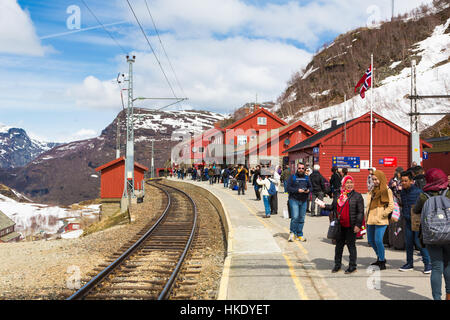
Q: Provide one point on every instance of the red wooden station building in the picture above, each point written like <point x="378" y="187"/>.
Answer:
<point x="347" y="145"/>
<point x="113" y="178"/>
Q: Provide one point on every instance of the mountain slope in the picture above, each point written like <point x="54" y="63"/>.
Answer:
<point x="17" y="149"/>
<point x="66" y="174"/>
<point x="316" y="94"/>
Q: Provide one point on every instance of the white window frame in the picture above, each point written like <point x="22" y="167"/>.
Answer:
<point x="241" y="141"/>
<point x="262" y="121"/>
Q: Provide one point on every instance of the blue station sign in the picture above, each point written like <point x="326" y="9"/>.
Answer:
<point x="347" y="162"/>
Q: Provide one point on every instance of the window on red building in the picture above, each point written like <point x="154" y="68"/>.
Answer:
<point x="262" y="121"/>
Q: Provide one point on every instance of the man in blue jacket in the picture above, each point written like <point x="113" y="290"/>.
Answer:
<point x="298" y="186"/>
<point x="409" y="194"/>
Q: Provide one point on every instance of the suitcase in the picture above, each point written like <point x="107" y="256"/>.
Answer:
<point x="397" y="234"/>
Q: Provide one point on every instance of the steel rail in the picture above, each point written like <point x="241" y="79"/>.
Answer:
<point x="168" y="287"/>
<point x="83" y="291"/>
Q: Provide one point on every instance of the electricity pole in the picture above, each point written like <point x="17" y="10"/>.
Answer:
<point x="415" y="135"/>
<point x="129" y="160"/>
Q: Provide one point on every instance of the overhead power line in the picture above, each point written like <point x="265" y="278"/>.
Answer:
<point x="162" y="46"/>
<point x="109" y="33"/>
<point x="153" y="51"/>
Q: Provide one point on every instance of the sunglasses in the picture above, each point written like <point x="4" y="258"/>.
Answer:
<point x="301" y="168"/>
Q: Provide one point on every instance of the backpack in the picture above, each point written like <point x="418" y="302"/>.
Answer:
<point x="272" y="190"/>
<point x="435" y="219"/>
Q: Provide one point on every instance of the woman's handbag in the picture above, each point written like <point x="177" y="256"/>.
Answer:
<point x="334" y="230"/>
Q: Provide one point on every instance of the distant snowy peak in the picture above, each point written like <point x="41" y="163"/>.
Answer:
<point x="17" y="149"/>
<point x="188" y="122"/>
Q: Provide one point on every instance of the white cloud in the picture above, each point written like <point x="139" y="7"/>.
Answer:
<point x="84" y="134"/>
<point x="217" y="75"/>
<point x="96" y="94"/>
<point x="17" y="33"/>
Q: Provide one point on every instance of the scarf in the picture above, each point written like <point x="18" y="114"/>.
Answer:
<point x="380" y="195"/>
<point x="344" y="192"/>
<point x="436" y="180"/>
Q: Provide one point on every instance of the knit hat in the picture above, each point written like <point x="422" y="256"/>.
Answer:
<point x="436" y="180"/>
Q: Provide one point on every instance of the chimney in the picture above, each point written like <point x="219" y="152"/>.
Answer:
<point x="333" y="123"/>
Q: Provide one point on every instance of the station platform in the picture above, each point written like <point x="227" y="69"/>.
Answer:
<point x="262" y="265"/>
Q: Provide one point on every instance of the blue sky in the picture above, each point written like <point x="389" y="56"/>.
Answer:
<point x="59" y="86"/>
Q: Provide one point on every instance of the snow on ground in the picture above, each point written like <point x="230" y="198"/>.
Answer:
<point x="309" y="72"/>
<point x="389" y="99"/>
<point x="31" y="218"/>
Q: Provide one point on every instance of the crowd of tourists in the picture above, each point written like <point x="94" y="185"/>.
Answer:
<point x="400" y="212"/>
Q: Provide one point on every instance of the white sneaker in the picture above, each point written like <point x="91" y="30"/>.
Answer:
<point x="291" y="237"/>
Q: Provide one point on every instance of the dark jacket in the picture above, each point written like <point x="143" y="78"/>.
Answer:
<point x="317" y="182"/>
<point x="420" y="181"/>
<point x="295" y="183"/>
<point x="409" y="198"/>
<point x="356" y="207"/>
<point x="335" y="182"/>
<point x="241" y="175"/>
<point x="255" y="177"/>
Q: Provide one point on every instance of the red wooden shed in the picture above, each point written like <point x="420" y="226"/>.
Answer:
<point x="349" y="146"/>
<point x="113" y="175"/>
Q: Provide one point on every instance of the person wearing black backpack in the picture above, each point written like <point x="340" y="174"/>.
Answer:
<point x="318" y="189"/>
<point x="436" y="185"/>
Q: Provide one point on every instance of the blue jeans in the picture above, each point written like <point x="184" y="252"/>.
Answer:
<point x="225" y="182"/>
<point x="285" y="186"/>
<point x="298" y="213"/>
<point x="375" y="237"/>
<point x="440" y="256"/>
<point x="266" y="205"/>
<point x="411" y="238"/>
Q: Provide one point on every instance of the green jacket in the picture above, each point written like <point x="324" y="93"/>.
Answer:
<point x="285" y="174"/>
<point x="417" y="209"/>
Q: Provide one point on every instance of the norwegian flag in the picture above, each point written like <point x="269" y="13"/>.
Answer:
<point x="366" y="82"/>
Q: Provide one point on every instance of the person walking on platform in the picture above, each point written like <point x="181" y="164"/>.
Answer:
<point x="436" y="184"/>
<point x="226" y="177"/>
<point x="380" y="206"/>
<point x="265" y="183"/>
<point x="285" y="174"/>
<point x="409" y="194"/>
<point x="217" y="172"/>
<point x="256" y="186"/>
<point x="298" y="187"/>
<point x="241" y="177"/>
<point x="335" y="182"/>
<point x="349" y="206"/>
<point x="273" y="198"/>
<point x="318" y="189"/>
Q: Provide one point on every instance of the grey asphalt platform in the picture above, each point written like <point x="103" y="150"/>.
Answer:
<point x="262" y="265"/>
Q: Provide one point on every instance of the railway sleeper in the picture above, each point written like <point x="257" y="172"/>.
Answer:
<point x="122" y="296"/>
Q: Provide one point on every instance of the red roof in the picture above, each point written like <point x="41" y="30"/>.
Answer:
<point x="293" y="126"/>
<point x="111" y="163"/>
<point x="251" y="115"/>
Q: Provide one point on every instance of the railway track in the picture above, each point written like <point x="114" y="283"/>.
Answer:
<point x="152" y="261"/>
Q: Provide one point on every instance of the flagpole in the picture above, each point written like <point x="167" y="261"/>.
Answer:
<point x="371" y="110"/>
<point x="345" y="118"/>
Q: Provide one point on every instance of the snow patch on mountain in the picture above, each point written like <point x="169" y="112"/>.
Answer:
<point x="390" y="99"/>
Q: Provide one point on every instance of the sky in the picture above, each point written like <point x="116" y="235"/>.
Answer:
<point x="59" y="66"/>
